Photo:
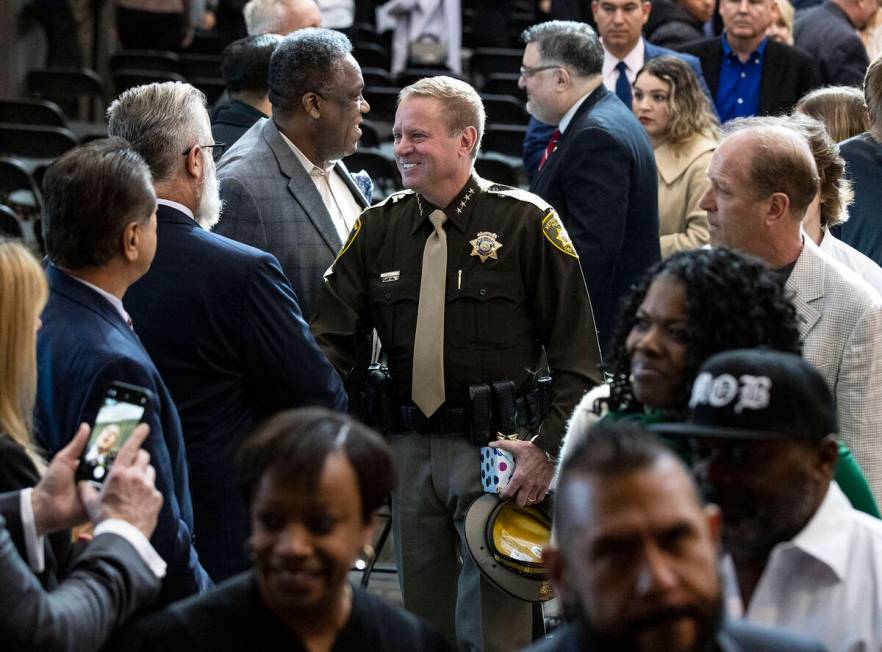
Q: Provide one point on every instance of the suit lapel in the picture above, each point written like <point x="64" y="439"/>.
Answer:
<point x="710" y="64"/>
<point x="806" y="282"/>
<point x="775" y="69"/>
<point x="302" y="187"/>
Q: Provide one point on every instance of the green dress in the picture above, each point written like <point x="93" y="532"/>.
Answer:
<point x="848" y="474"/>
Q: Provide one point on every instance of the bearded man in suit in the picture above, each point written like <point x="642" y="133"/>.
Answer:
<point x="600" y="171"/>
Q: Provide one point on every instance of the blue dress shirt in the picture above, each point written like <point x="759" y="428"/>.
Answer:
<point x="739" y="89"/>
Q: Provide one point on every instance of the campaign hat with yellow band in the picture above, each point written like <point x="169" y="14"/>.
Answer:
<point x="506" y="543"/>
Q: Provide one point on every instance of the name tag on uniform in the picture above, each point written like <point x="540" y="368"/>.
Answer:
<point x="388" y="277"/>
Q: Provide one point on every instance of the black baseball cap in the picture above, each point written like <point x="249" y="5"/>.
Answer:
<point x="757" y="394"/>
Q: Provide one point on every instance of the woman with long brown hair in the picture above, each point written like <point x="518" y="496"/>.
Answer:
<point x="683" y="129"/>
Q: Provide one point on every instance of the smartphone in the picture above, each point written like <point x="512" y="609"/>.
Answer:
<point x="123" y="409"/>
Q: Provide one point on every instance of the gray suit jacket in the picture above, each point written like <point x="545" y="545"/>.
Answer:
<point x="842" y="337"/>
<point x="271" y="203"/>
<point x="108" y="583"/>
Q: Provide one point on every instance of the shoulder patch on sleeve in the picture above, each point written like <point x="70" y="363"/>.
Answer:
<point x="353" y="234"/>
<point x="554" y="231"/>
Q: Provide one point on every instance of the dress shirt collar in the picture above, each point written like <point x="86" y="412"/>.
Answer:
<point x="826" y="536"/>
<point x="459" y="209"/>
<point x="311" y="168"/>
<point x="634" y="61"/>
<point x="114" y="301"/>
<point x="568" y="116"/>
<point x="173" y="204"/>
<point x="729" y="52"/>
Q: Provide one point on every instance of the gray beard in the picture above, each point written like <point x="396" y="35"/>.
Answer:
<point x="208" y="212"/>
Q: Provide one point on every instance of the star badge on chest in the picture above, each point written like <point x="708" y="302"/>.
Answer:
<point x="485" y="246"/>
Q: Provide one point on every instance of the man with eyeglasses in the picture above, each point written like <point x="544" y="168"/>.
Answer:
<point x="620" y="26"/>
<point x="598" y="169"/>
<point x="762" y="426"/>
<point x="219" y="318"/>
<point x="284" y="187"/>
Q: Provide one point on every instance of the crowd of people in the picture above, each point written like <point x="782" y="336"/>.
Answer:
<point x="675" y="335"/>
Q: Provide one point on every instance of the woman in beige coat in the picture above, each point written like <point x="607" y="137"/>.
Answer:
<point x="683" y="129"/>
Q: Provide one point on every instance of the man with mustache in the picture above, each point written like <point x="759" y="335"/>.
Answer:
<point x="763" y="433"/>
<point x="634" y="560"/>
<point x="219" y="318"/>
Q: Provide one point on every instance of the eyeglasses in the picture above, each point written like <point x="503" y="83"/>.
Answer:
<point x="217" y="149"/>
<point x="527" y="71"/>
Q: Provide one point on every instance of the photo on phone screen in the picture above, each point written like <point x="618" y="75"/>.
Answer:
<point x="122" y="410"/>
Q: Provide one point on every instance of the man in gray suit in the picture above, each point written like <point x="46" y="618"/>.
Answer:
<point x="762" y="179"/>
<point x="284" y="188"/>
<point x="634" y="557"/>
<point x="117" y="574"/>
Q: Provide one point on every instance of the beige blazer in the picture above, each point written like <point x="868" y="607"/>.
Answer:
<point x="841" y="327"/>
<point x="681" y="182"/>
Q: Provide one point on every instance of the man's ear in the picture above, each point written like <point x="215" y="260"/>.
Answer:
<point x="468" y="138"/>
<point x="647" y="9"/>
<point x="310" y="104"/>
<point x="779" y="207"/>
<point x="562" y="79"/>
<point x="828" y="455"/>
<point x="195" y="164"/>
<point x="553" y="560"/>
<point x="130" y="240"/>
<point x="714" y="524"/>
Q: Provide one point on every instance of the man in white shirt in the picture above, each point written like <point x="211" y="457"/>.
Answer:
<point x="284" y="188"/>
<point x="620" y="25"/>
<point x="763" y="434"/>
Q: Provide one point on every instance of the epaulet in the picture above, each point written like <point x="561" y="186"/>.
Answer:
<point x="520" y="195"/>
<point x="395" y="197"/>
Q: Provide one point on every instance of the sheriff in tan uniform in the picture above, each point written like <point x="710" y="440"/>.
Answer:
<point x="511" y="287"/>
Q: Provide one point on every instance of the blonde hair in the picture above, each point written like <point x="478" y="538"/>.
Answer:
<point x="462" y="106"/>
<point x="786" y="14"/>
<point x="23" y="294"/>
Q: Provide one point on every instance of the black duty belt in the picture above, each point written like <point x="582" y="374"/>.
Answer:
<point x="492" y="408"/>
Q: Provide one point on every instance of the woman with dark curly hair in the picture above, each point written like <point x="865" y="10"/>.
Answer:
<point x="685" y="309"/>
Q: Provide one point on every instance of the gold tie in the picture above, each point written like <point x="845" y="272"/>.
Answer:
<point x="427" y="384"/>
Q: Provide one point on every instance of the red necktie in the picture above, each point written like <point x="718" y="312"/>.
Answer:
<point x="552" y="143"/>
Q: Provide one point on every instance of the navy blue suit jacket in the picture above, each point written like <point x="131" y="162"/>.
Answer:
<point x="539" y="133"/>
<point x="222" y="323"/>
<point x="602" y="181"/>
<point x="863" y="165"/>
<point x="83" y="346"/>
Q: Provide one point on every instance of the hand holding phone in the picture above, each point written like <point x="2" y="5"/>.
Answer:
<point x="123" y="408"/>
<point x="129" y="493"/>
